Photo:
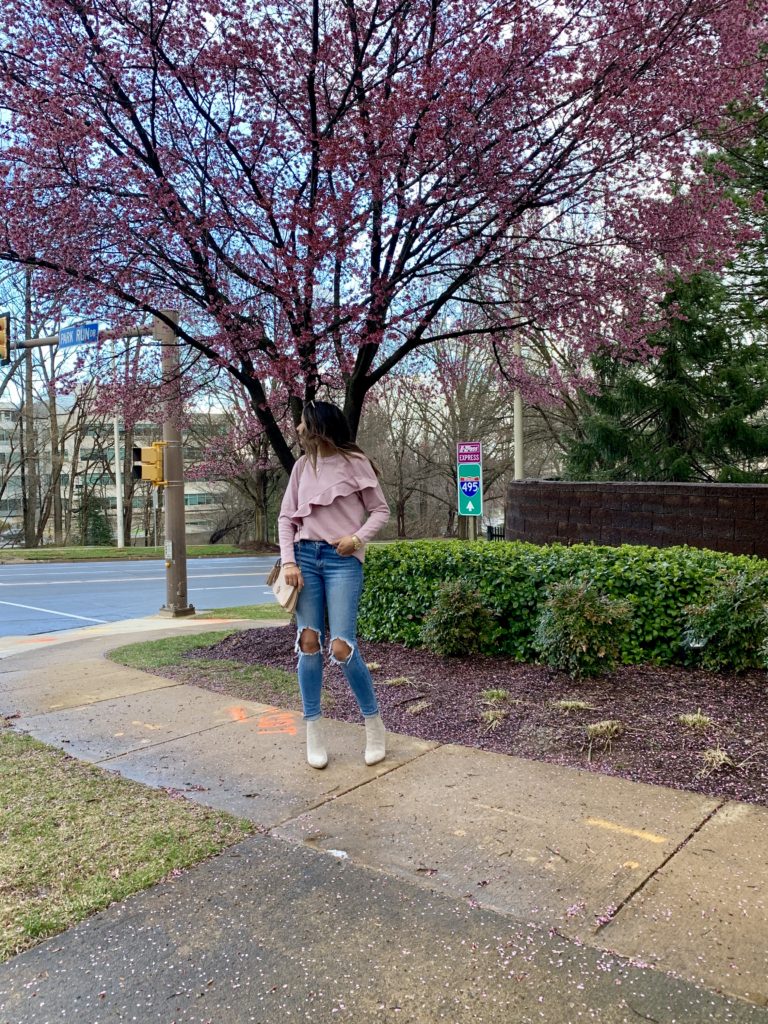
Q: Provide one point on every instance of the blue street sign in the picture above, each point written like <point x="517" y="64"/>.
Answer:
<point x="80" y="334"/>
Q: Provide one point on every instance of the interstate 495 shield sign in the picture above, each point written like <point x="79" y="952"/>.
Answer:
<point x="469" y="474"/>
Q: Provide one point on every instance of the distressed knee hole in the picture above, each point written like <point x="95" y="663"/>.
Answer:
<point x="309" y="641"/>
<point x="341" y="650"/>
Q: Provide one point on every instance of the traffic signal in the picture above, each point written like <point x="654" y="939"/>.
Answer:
<point x="148" y="464"/>
<point x="5" y="339"/>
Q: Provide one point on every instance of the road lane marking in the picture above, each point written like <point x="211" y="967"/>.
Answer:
<point x="81" y="569"/>
<point x="132" y="579"/>
<point x="638" y="833"/>
<point x="252" y="586"/>
<point x="50" y="611"/>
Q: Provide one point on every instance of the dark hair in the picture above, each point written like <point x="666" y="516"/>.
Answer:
<point x="325" y="422"/>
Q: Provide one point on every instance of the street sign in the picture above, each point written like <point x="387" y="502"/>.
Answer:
<point x="80" y="334"/>
<point x="469" y="475"/>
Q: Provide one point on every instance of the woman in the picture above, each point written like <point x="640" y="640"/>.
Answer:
<point x="323" y="531"/>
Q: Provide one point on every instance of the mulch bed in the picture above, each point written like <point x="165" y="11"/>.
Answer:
<point x="442" y="701"/>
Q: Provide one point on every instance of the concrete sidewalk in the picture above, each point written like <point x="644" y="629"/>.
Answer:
<point x="443" y="884"/>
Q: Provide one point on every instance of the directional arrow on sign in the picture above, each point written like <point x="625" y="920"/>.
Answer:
<point x="470" y="506"/>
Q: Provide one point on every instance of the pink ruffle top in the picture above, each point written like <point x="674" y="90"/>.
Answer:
<point x="343" y="497"/>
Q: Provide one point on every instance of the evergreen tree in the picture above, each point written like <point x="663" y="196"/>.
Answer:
<point x="696" y="411"/>
<point x="95" y="528"/>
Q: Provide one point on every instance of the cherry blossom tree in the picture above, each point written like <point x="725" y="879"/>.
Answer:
<point x="320" y="187"/>
<point x="230" y="444"/>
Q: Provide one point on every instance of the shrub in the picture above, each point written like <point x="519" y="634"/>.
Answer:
<point x="458" y="622"/>
<point x="513" y="579"/>
<point x="580" y="630"/>
<point x="729" y="630"/>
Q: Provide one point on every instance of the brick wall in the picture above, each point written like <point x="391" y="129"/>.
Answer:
<point x="724" y="517"/>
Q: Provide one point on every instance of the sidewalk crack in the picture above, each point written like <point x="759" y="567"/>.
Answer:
<point x="175" y="739"/>
<point x="358" y="785"/>
<point x="101" y="700"/>
<point x="639" y="888"/>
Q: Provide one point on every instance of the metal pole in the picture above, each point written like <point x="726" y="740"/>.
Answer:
<point x="176" y="602"/>
<point x="517" y="420"/>
<point x="118" y="470"/>
<point x="105" y="335"/>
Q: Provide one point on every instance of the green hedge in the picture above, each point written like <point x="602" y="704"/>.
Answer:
<point x="401" y="582"/>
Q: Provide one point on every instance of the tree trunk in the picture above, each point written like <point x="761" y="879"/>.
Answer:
<point x="259" y="524"/>
<point x="400" y="509"/>
<point x="353" y="406"/>
<point x="73" y="475"/>
<point x="266" y="418"/>
<point x="263" y="485"/>
<point x="148" y="521"/>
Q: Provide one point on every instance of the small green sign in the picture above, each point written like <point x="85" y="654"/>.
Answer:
<point x="469" y="475"/>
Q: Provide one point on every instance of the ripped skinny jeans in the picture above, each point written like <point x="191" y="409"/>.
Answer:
<point x="333" y="582"/>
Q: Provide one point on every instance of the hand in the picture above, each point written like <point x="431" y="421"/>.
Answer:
<point x="293" y="577"/>
<point x="345" y="545"/>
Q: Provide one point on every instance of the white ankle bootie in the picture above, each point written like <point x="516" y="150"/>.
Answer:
<point x="375" y="740"/>
<point x="316" y="752"/>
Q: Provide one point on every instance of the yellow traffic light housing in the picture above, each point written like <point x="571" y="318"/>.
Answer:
<point x="5" y="339"/>
<point x="148" y="464"/>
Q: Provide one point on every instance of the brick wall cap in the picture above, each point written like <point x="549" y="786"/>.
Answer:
<point x="642" y="484"/>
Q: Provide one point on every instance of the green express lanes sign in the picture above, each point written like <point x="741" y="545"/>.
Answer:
<point x="469" y="475"/>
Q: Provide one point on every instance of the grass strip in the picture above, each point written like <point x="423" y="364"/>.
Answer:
<point x="183" y="658"/>
<point x="246" y="611"/>
<point x="162" y="653"/>
<point x="86" y="554"/>
<point x="75" y="838"/>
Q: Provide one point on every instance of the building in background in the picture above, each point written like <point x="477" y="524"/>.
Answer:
<point x="79" y="486"/>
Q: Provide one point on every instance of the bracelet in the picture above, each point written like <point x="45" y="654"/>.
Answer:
<point x="287" y="565"/>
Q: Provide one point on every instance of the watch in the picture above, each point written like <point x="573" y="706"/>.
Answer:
<point x="358" y="542"/>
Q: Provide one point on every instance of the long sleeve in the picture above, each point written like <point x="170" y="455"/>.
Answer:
<point x="325" y="504"/>
<point x="286" y="530"/>
<point x="378" y="512"/>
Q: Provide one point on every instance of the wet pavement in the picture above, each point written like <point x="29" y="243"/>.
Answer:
<point x="444" y="884"/>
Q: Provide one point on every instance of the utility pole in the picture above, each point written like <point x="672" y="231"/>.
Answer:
<point x="30" y="452"/>
<point x="176" y="601"/>
<point x="118" y="469"/>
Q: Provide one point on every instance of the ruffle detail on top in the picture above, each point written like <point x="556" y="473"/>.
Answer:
<point x="337" y="480"/>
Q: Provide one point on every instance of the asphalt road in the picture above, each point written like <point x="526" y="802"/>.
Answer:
<point x="38" y="598"/>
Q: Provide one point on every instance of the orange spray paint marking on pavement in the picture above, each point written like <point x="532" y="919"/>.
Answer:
<point x="277" y="722"/>
<point x="238" y="714"/>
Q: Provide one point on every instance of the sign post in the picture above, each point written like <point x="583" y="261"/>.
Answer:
<point x="469" y="477"/>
